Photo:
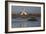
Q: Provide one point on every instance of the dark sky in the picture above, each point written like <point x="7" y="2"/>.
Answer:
<point x="29" y="9"/>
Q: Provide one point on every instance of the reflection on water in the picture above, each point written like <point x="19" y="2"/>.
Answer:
<point x="19" y="22"/>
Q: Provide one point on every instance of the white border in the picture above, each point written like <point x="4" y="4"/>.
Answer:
<point x="23" y="29"/>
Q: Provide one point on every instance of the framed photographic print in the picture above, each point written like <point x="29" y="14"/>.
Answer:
<point x="23" y="16"/>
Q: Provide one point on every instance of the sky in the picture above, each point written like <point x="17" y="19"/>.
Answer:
<point x="29" y="9"/>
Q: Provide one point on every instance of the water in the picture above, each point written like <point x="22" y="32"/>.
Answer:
<point x="21" y="23"/>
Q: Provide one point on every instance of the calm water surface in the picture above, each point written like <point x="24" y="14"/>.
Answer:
<point x="21" y="23"/>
